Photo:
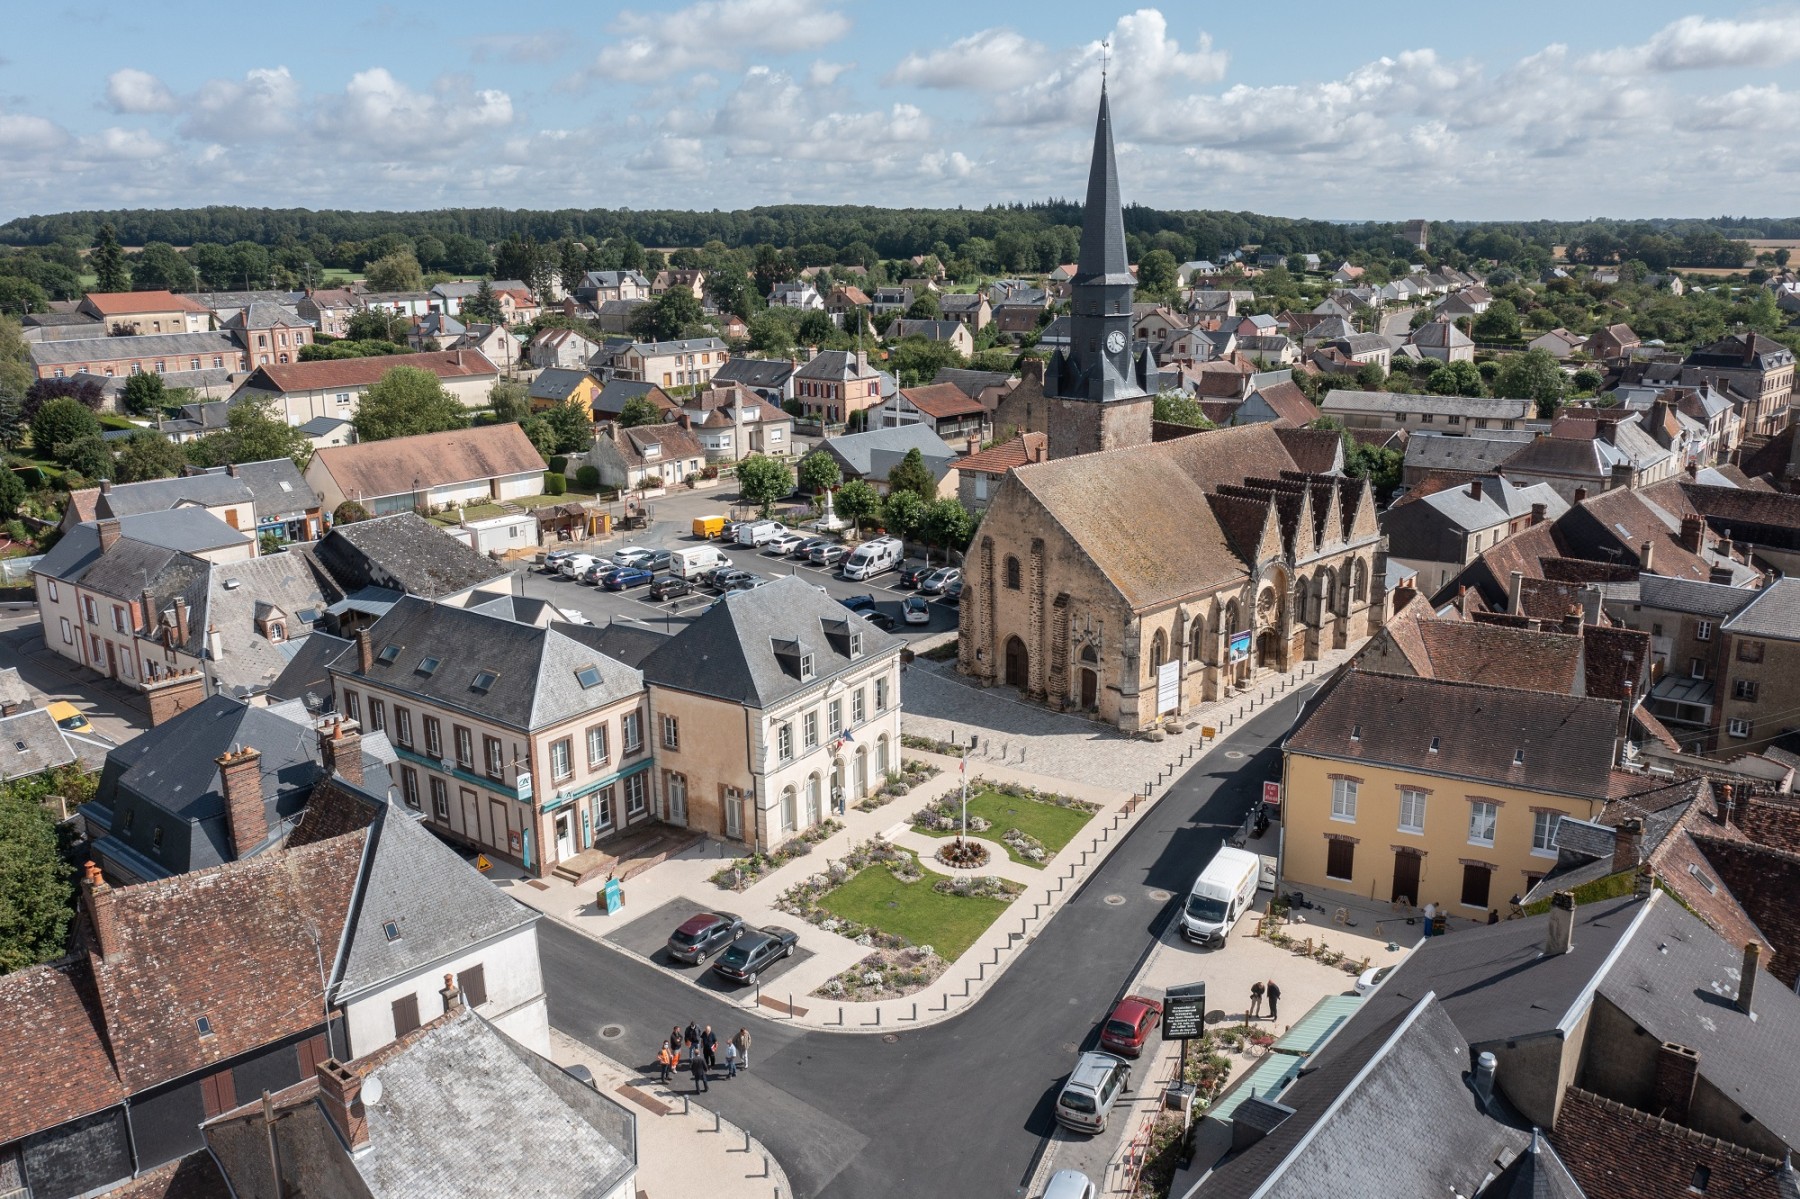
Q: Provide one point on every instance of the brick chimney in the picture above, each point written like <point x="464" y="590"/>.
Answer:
<point x="453" y="1000"/>
<point x="1580" y="495"/>
<point x="340" y="1091"/>
<point x="365" y="653"/>
<point x="173" y="694"/>
<point x="1628" y="838"/>
<point x="109" y="534"/>
<point x="181" y="621"/>
<point x="1647" y="557"/>
<point x="1692" y="527"/>
<point x="1723" y="816"/>
<point x="1676" y="1068"/>
<point x="1747" y="977"/>
<point x="340" y="753"/>
<point x="1474" y="489"/>
<point x="1559" y="938"/>
<point x="246" y="815"/>
<point x="97" y="897"/>
<point x="1571" y="621"/>
<point x="1539" y="512"/>
<point x="148" y="611"/>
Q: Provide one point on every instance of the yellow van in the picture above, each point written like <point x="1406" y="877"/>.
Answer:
<point x="708" y="527"/>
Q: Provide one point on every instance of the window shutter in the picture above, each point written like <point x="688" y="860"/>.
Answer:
<point x="218" y="1092"/>
<point x="473" y="985"/>
<point x="406" y="1014"/>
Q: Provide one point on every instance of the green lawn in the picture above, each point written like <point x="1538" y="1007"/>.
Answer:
<point x="1052" y="825"/>
<point x="947" y="923"/>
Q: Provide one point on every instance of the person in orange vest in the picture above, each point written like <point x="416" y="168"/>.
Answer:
<point x="667" y="1061"/>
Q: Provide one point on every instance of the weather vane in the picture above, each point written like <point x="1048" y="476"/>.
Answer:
<point x="1104" y="47"/>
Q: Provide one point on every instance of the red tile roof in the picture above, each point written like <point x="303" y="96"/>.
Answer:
<point x="57" y="1063"/>
<point x="125" y="303"/>
<point x="360" y="372"/>
<point x="1618" y="1152"/>
<point x="1026" y="447"/>
<point x="940" y="401"/>
<point x="376" y="468"/>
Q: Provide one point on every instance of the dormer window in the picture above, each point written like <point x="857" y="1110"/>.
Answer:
<point x="1434" y="746"/>
<point x="1518" y="757"/>
<point x="276" y="632"/>
<point x="856" y="645"/>
<point x="806" y="666"/>
<point x="1356" y="732"/>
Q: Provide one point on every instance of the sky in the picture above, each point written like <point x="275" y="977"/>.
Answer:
<point x="1518" y="110"/>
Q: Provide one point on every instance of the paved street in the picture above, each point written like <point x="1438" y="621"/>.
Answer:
<point x="960" y="1107"/>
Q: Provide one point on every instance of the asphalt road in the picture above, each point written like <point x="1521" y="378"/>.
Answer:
<point x="960" y="1107"/>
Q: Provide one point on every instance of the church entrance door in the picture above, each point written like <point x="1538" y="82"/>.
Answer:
<point x="1268" y="649"/>
<point x="1090" y="690"/>
<point x="1018" y="664"/>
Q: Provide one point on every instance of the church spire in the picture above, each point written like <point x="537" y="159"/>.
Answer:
<point x="1103" y="258"/>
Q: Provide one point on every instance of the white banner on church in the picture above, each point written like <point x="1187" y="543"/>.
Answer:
<point x="1168" y="687"/>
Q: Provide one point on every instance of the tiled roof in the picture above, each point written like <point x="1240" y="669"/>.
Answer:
<point x="1289" y="403"/>
<point x="360" y="372"/>
<point x="1314" y="451"/>
<point x="371" y="469"/>
<point x="1533" y="740"/>
<point x="1380" y="402"/>
<point x="1026" y="447"/>
<point x="59" y="1067"/>
<point x="1618" y="1152"/>
<point x="941" y="401"/>
<point x="124" y="303"/>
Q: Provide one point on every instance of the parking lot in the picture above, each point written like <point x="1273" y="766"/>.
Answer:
<point x="602" y="606"/>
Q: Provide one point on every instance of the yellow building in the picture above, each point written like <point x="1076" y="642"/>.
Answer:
<point x="561" y="387"/>
<point x="1434" y="791"/>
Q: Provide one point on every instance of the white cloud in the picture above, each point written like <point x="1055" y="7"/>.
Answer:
<point x="385" y="116"/>
<point x="264" y="104"/>
<point x="129" y="90"/>
<point x="544" y="45"/>
<point x="125" y="144"/>
<point x="713" y="34"/>
<point x="824" y="74"/>
<point x="676" y="155"/>
<point x="24" y="136"/>
<point x="1145" y="68"/>
<point x="952" y="164"/>
<point x="1698" y="43"/>
<point x="769" y="114"/>
<point x="991" y="60"/>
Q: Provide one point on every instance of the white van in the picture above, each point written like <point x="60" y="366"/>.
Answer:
<point x="691" y="562"/>
<point x="758" y="532"/>
<point x="1223" y="892"/>
<point x="873" y="558"/>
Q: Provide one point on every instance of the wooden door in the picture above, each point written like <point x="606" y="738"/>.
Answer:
<point x="1018" y="663"/>
<point x="1406" y="878"/>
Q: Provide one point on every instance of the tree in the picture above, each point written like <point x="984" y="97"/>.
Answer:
<point x="108" y="262"/>
<point x="12" y="493"/>
<point x="62" y="422"/>
<point x="1534" y="375"/>
<point x="1380" y="465"/>
<point x="15" y="358"/>
<point x="572" y="426"/>
<point x="918" y="361"/>
<point x="925" y="308"/>
<point x="815" y="328"/>
<point x="638" y="410"/>
<point x="148" y="455"/>
<point x="407" y="401"/>
<point x="35" y="890"/>
<point x="1177" y="408"/>
<point x="1455" y="379"/>
<point x="902" y="513"/>
<point x="771" y="333"/>
<point x="19" y="294"/>
<point x="1499" y="323"/>
<point x="84" y="389"/>
<point x="252" y="433"/>
<point x="398" y="271"/>
<point x="762" y="480"/>
<point x="948" y="525"/>
<point x="88" y="456"/>
<point x="348" y="513"/>
<point x="483" y="306"/>
<point x="12" y="420"/>
<point x="1587" y="379"/>
<point x="510" y="400"/>
<point x="667" y="317"/>
<point x="144" y="394"/>
<point x="543" y="437"/>
<point x="858" y="501"/>
<point x="1157" y="273"/>
<point x="160" y="267"/>
<point x="1782" y="256"/>
<point x="911" y="474"/>
<point x="819" y="472"/>
<point x="375" y="324"/>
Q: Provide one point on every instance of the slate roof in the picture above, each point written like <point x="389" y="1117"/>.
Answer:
<point x="30" y="743"/>
<point x="557" y="383"/>
<point x="1480" y="732"/>
<point x="277" y="487"/>
<point x="613" y="397"/>
<point x="208" y="490"/>
<point x="972" y="382"/>
<point x="1501" y="500"/>
<point x="748" y="649"/>
<point x="629" y="643"/>
<point x="320" y="426"/>
<point x="754" y="372"/>
<point x="688" y="345"/>
<point x="1440" y="335"/>
<point x="274" y="588"/>
<point x="371" y="469"/>
<point x="836" y="366"/>
<point x="404" y="552"/>
<point x="326" y="373"/>
<point x="1388" y="402"/>
<point x="1774" y="612"/>
<point x="146" y="541"/>
<point x="859" y="454"/>
<point x="929" y="330"/>
<point x="535" y="669"/>
<point x="60" y="1067"/>
<point x="142" y="345"/>
<point x="1690" y="595"/>
<point x="305" y="672"/>
<point x="440" y="904"/>
<point x="1476" y="454"/>
<point x="264" y="314"/>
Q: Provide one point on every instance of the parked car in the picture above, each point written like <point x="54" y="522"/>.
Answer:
<point x="879" y="619"/>
<point x="630" y="554"/>
<point x="755" y="952"/>
<point x="912" y="574"/>
<point x="829" y="554"/>
<point x="730" y="529"/>
<point x="915" y="610"/>
<point x="1128" y="1029"/>
<point x="68" y="716"/>
<point x="1070" y="1184"/>
<point x="575" y="565"/>
<point x="858" y="603"/>
<point x="805" y="548"/>
<point x="669" y="587"/>
<point x="715" y="578"/>
<point x="599" y="570"/>
<point x="699" y="937"/>
<point x="620" y="578"/>
<point x="555" y="558"/>
<point x="725" y="580"/>
<point x="1094" y="1087"/>
<point x="786" y="544"/>
<point x="938" y="580"/>
<point x="1373" y="977"/>
<point x="953" y="594"/>
<point x="747" y="581"/>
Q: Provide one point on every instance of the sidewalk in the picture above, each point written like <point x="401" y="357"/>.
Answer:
<point x="684" y="1149"/>
<point x="1146" y="766"/>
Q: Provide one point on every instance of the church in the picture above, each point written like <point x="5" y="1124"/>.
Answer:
<point x="1134" y="579"/>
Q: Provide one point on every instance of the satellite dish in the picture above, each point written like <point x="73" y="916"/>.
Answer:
<point x="371" y="1089"/>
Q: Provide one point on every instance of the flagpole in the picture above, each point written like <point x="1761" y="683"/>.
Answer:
<point x="964" y="771"/>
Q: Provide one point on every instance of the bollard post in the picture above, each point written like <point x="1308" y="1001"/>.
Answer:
<point x="915" y="1014"/>
<point x="684" y="1105"/>
<point x="746" y="1140"/>
<point x="790" y="1005"/>
<point x="716" y="1122"/>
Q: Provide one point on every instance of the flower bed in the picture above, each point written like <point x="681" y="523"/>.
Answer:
<point x="872" y="896"/>
<point x="1036" y="824"/>
<point x="742" y="872"/>
<point x="898" y="782"/>
<point x="931" y="745"/>
<point x="885" y="974"/>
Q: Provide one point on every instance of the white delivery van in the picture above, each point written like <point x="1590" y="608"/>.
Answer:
<point x="1223" y="892"/>
<point x="693" y="561"/>
<point x="757" y="532"/>
<point x="874" y="557"/>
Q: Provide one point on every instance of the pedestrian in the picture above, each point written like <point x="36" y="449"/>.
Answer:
<point x="742" y="1042"/>
<point x="697" y="1064"/>
<point x="1430" y="911"/>
<point x="709" y="1044"/>
<point x="1256" y="998"/>
<point x="675" y="1043"/>
<point x="1274" y="993"/>
<point x="666" y="1060"/>
<point x="691" y="1037"/>
<point x="1493" y="915"/>
<point x="730" y="1060"/>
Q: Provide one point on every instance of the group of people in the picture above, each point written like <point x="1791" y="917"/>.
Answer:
<point x="699" y="1047"/>
<point x="1260" y="991"/>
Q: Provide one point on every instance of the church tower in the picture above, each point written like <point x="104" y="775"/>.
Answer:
<point x="1098" y="391"/>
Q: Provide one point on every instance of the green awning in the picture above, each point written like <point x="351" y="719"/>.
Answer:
<point x="1312" y="1029"/>
<point x="1267" y="1081"/>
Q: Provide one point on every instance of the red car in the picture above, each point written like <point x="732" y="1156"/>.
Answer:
<point x="1130" y="1025"/>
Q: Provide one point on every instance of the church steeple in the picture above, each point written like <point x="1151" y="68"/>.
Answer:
<point x="1103" y="259"/>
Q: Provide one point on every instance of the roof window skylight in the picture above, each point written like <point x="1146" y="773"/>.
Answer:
<point x="388" y="655"/>
<point x="484" y="679"/>
<point x="390" y="929"/>
<point x="427" y="665"/>
<point x="588" y="676"/>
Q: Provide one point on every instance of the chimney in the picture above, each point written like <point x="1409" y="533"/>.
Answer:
<point x="1676" y="1068"/>
<point x="109" y="534"/>
<point x="1720" y="575"/>
<point x="1723" y="815"/>
<point x="231" y="469"/>
<point x="1647" y="557"/>
<point x="1749" y="349"/>
<point x="105" y="486"/>
<point x="149" y="611"/>
<point x="1560" y="937"/>
<point x="1474" y="489"/>
<point x="1691" y="527"/>
<point x="1514" y="587"/>
<point x="340" y="1091"/>
<point x="181" y="619"/>
<point x="246" y="815"/>
<point x="1747" y="977"/>
<point x="97" y="895"/>
<point x="365" y="653"/>
<point x="1580" y="495"/>
<point x="453" y="1000"/>
<point x="1571" y="621"/>
<point x="1628" y="837"/>
<point x="1485" y="1065"/>
<point x="340" y="753"/>
<point x="1622" y="474"/>
<point x="1539" y="512"/>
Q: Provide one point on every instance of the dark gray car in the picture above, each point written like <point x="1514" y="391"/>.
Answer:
<point x="754" y="952"/>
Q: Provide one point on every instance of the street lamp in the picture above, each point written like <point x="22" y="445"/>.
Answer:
<point x="964" y="770"/>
